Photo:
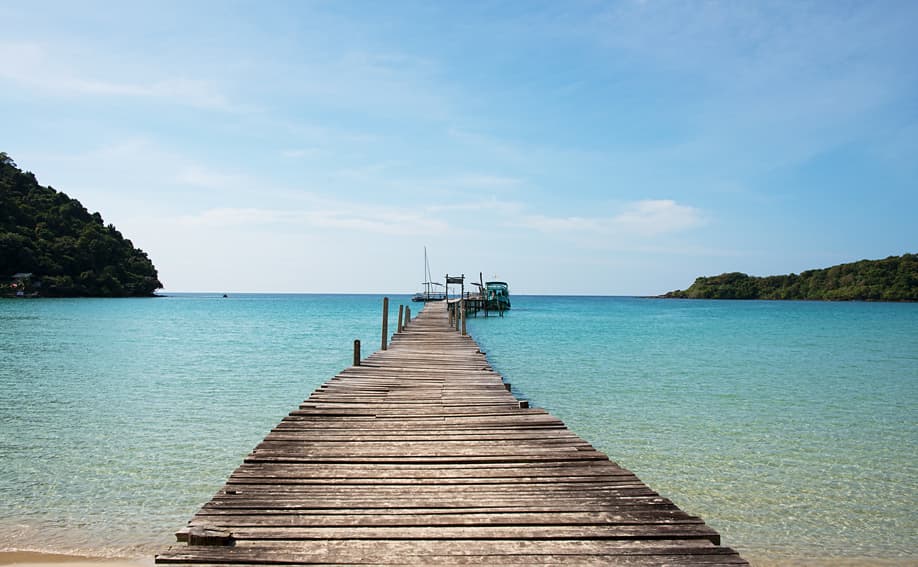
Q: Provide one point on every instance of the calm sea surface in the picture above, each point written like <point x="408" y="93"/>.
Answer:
<point x="791" y="427"/>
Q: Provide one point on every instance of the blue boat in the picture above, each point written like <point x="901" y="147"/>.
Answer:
<point x="497" y="296"/>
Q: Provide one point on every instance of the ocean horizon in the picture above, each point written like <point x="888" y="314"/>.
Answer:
<point x="789" y="427"/>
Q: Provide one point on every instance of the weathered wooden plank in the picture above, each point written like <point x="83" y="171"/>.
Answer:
<point x="624" y="506"/>
<point x="296" y="501"/>
<point x="480" y="471"/>
<point x="473" y="552"/>
<point x="629" y="517"/>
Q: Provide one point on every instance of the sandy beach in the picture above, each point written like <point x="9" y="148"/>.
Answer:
<point x="33" y="559"/>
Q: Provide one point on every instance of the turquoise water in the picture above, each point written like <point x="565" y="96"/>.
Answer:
<point x="792" y="428"/>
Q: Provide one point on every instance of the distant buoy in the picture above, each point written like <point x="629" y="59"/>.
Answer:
<point x="225" y="296"/>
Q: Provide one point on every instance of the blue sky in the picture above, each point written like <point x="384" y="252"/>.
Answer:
<point x="609" y="148"/>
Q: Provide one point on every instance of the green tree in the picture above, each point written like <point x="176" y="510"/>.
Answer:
<point x="70" y="251"/>
<point x="891" y="279"/>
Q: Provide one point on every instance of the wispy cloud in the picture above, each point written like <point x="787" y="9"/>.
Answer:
<point x="646" y="218"/>
<point x="52" y="70"/>
<point x="572" y="224"/>
<point x="295" y="153"/>
<point x="236" y="217"/>
<point x="384" y="222"/>
<point x="486" y="205"/>
<point x="490" y="144"/>
<point x="654" y="217"/>
<point x="200" y="176"/>
<point x="764" y="74"/>
<point x="484" y="181"/>
<point x="390" y="83"/>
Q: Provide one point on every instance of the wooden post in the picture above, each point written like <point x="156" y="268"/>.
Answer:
<point x="458" y="315"/>
<point x="407" y="315"/>
<point x="401" y="314"/>
<point x="356" y="352"/>
<point x="484" y="293"/>
<point x="462" y="308"/>
<point x="385" y="322"/>
<point x="200" y="535"/>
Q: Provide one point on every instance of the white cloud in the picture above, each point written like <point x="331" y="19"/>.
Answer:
<point x="646" y="218"/>
<point x="488" y="144"/>
<point x="572" y="224"/>
<point x="654" y="217"/>
<point x="772" y="85"/>
<point x="236" y="217"/>
<point x="300" y="152"/>
<point x="503" y="207"/>
<point x="382" y="222"/>
<point x="494" y="182"/>
<point x="58" y="71"/>
<point x="199" y="176"/>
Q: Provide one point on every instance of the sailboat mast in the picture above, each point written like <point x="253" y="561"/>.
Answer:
<point x="426" y="273"/>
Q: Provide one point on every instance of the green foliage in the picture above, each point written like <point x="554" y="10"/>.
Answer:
<point x="69" y="251"/>
<point x="891" y="279"/>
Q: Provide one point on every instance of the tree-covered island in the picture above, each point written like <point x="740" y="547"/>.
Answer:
<point x="891" y="279"/>
<point x="50" y="245"/>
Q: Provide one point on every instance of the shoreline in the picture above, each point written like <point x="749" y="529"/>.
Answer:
<point x="41" y="559"/>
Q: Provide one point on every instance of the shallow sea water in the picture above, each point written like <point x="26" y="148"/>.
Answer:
<point x="791" y="427"/>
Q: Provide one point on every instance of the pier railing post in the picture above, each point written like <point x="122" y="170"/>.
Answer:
<point x="385" y="322"/>
<point x="458" y="314"/>
<point x="356" y="352"/>
<point x="407" y="315"/>
<point x="401" y="314"/>
<point x="462" y="310"/>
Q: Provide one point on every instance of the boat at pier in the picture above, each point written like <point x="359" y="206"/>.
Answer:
<point x="428" y="294"/>
<point x="492" y="296"/>
<point x="497" y="296"/>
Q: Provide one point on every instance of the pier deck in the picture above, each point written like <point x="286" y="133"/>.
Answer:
<point x="422" y="456"/>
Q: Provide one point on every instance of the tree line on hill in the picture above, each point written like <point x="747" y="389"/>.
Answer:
<point x="891" y="279"/>
<point x="50" y="245"/>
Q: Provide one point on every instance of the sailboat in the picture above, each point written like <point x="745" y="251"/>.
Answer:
<point x="428" y="294"/>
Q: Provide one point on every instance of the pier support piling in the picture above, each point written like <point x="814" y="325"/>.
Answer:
<point x="356" y="352"/>
<point x="462" y="311"/>
<point x="401" y="314"/>
<point x="385" y="322"/>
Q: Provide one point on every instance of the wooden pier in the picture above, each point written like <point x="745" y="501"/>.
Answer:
<point x="420" y="455"/>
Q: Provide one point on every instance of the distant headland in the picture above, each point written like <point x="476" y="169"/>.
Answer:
<point x="892" y="279"/>
<point x="51" y="246"/>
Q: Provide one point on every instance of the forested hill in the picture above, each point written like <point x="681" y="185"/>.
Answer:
<point x="50" y="245"/>
<point x="892" y="279"/>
